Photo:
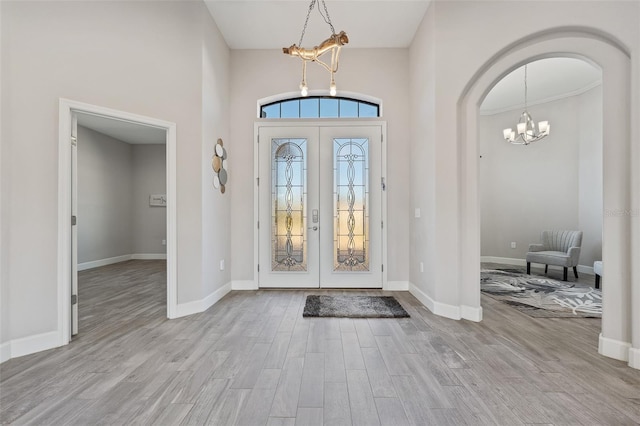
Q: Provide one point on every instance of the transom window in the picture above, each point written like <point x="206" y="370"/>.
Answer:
<point x="320" y="107"/>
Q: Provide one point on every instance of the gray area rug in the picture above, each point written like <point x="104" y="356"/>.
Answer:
<point x="353" y="307"/>
<point x="541" y="297"/>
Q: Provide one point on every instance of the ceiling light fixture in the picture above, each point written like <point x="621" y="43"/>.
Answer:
<point x="333" y="44"/>
<point x="526" y="127"/>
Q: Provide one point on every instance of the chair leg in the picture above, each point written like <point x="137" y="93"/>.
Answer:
<point x="546" y="269"/>
<point x="597" y="281"/>
<point x="575" y="271"/>
<point x="564" y="275"/>
<point x="528" y="268"/>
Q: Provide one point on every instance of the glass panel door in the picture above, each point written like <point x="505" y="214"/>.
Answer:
<point x="320" y="206"/>
<point x="288" y="180"/>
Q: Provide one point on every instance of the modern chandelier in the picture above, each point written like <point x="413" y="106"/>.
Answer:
<point x="526" y="127"/>
<point x="333" y="44"/>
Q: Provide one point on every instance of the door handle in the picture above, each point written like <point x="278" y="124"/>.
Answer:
<point x="315" y="228"/>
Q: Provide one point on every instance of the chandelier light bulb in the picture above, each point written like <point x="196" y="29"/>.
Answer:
<point x="304" y="90"/>
<point x="332" y="89"/>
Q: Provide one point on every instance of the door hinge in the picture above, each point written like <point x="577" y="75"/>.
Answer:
<point x="382" y="268"/>
<point x="74" y="141"/>
<point x="383" y="184"/>
<point x="257" y="181"/>
<point x="74" y="299"/>
<point x="381" y="137"/>
<point x="74" y="220"/>
<point x="382" y="224"/>
<point x="258" y="267"/>
<point x="258" y="224"/>
<point x="257" y="139"/>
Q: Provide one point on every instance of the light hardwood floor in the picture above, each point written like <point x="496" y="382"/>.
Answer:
<point x="252" y="359"/>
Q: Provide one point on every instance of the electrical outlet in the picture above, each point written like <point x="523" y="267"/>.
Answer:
<point x="421" y="266"/>
<point x="164" y="242"/>
<point x="222" y="265"/>
<point x="513" y="244"/>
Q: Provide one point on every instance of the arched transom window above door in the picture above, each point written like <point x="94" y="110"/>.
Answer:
<point x="320" y="107"/>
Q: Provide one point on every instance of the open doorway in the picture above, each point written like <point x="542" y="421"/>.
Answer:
<point x="122" y="220"/>
<point x="553" y="184"/>
<point x="105" y="126"/>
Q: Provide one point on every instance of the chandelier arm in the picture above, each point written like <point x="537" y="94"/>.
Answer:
<point x="327" y="67"/>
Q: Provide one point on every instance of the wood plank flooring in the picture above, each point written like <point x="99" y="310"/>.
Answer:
<point x="252" y="359"/>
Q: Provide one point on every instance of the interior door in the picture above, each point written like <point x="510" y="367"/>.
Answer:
<point x="74" y="227"/>
<point x="320" y="206"/>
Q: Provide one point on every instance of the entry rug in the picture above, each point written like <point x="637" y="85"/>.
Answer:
<point x="353" y="307"/>
<point x="541" y="297"/>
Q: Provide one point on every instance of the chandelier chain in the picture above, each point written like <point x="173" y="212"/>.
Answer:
<point x="324" y="15"/>
<point x="525" y="87"/>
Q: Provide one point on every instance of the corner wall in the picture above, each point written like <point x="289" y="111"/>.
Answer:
<point x="152" y="66"/>
<point x="462" y="80"/>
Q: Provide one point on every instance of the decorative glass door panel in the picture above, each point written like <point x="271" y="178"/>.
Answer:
<point x="350" y="198"/>
<point x="320" y="197"/>
<point x="288" y="199"/>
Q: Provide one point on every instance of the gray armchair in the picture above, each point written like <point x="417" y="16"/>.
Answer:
<point x="558" y="248"/>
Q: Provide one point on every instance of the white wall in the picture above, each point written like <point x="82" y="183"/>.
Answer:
<point x="4" y="224"/>
<point x="104" y="196"/>
<point x="140" y="57"/>
<point x="148" y="176"/>
<point x="381" y="73"/>
<point x="555" y="183"/>
<point x="462" y="76"/>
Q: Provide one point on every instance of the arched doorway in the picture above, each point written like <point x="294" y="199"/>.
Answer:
<point x="614" y="61"/>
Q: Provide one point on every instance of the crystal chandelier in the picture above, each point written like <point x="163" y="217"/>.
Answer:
<point x="333" y="44"/>
<point x="526" y="128"/>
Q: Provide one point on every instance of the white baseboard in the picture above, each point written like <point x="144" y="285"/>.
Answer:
<point x="32" y="344"/>
<point x="445" y="310"/>
<point x="197" y="306"/>
<point x="470" y="313"/>
<point x="5" y="352"/>
<point x="396" y="286"/>
<point x="111" y="260"/>
<point x="103" y="262"/>
<point x="614" y="348"/>
<point x="244" y="285"/>
<point x="149" y="256"/>
<point x="634" y="358"/>
<point x="522" y="262"/>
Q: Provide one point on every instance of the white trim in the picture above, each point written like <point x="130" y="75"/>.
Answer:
<point x="396" y="286"/>
<point x="441" y="309"/>
<point x="613" y="348"/>
<point x="519" y="107"/>
<point x="149" y="256"/>
<point x="111" y="260"/>
<point x="244" y="285"/>
<point x="445" y="310"/>
<point x="522" y="262"/>
<point x="319" y="92"/>
<point x="5" y="351"/>
<point x="197" y="306"/>
<point x="36" y="343"/>
<point x="66" y="110"/>
<point x="503" y="260"/>
<point x="103" y="262"/>
<point x="471" y="313"/>
<point x="634" y="358"/>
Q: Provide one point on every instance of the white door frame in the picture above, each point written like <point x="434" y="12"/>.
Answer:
<point x="316" y="123"/>
<point x="66" y="110"/>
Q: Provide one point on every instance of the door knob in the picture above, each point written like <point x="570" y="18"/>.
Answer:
<point x="315" y="228"/>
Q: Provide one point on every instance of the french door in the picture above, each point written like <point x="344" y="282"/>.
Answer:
<point x="320" y="206"/>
